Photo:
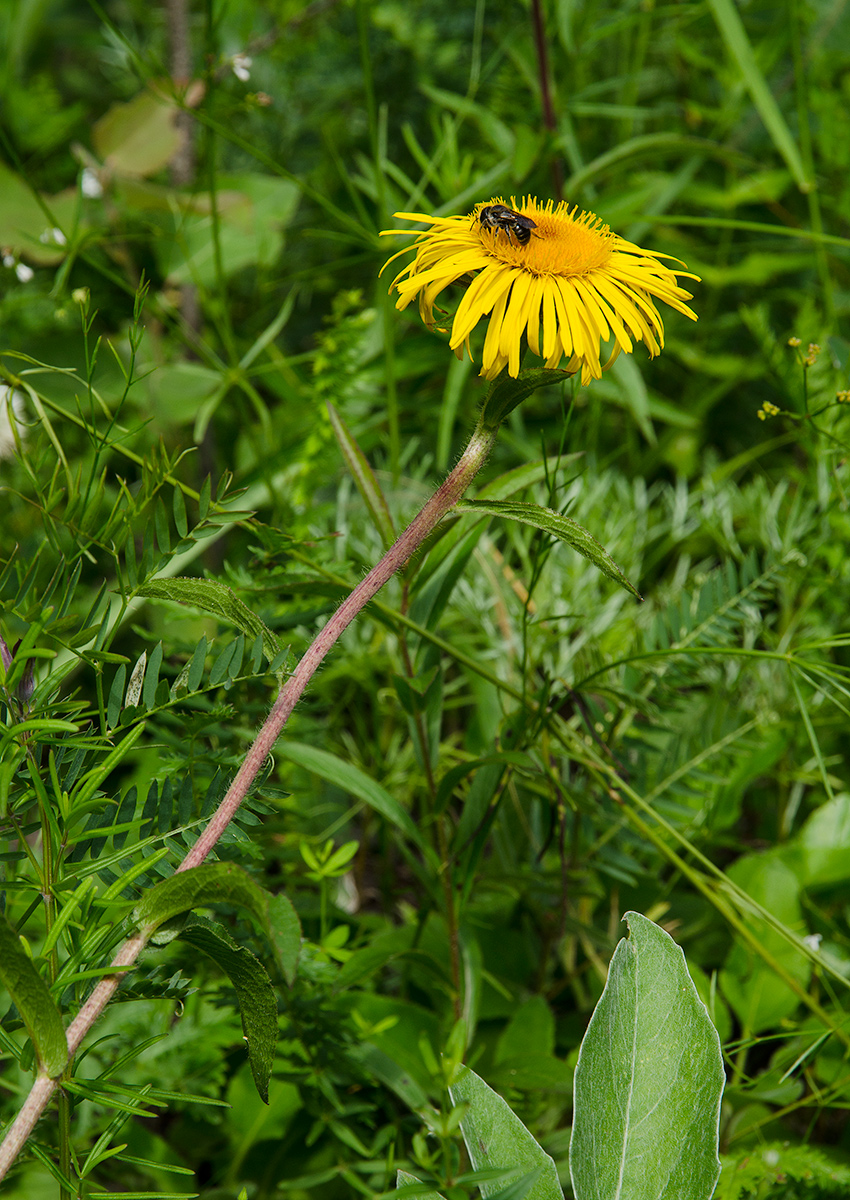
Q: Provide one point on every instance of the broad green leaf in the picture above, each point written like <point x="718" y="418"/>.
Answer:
<point x="531" y="1030"/>
<point x="363" y="476"/>
<point x="254" y="992"/>
<point x="352" y="780"/>
<point x="403" y="1179"/>
<point x="212" y="883"/>
<point x="495" y="1137"/>
<point x="649" y="1079"/>
<point x="250" y="1121"/>
<point x="138" y="138"/>
<point x="753" y="991"/>
<point x="820" y="854"/>
<point x="218" y="599"/>
<point x="23" y="222"/>
<point x="560" y="526"/>
<point x="178" y="389"/>
<point x="252" y="211"/>
<point x="223" y="883"/>
<point x="533" y="1073"/>
<point x="33" y="1001"/>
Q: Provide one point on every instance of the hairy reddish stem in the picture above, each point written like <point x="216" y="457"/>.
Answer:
<point x="444" y="499"/>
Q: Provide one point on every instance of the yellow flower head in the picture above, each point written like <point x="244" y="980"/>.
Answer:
<point x="558" y="276"/>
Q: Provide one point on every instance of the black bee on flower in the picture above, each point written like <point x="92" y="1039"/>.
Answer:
<point x="514" y="224"/>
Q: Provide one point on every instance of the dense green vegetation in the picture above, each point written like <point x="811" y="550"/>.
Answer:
<point x="506" y="751"/>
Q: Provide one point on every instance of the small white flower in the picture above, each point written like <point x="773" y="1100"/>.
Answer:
<point x="813" y="941"/>
<point x="11" y="410"/>
<point x="90" y="185"/>
<point x="24" y="273"/>
<point x="241" y="64"/>
<point x="53" y="235"/>
<point x="8" y="260"/>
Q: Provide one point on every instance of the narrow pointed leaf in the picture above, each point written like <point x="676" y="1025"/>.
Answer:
<point x="364" y="477"/>
<point x="649" y="1080"/>
<point x="33" y="1001"/>
<point x="284" y="931"/>
<point x="254" y="992"/>
<point x="351" y="779"/>
<point x="738" y="44"/>
<point x="561" y="527"/>
<point x="496" y="1138"/>
<point x="404" y="1180"/>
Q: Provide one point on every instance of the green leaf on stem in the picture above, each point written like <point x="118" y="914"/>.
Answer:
<point x="506" y="393"/>
<point x="559" y="526"/>
<point x="496" y="1138"/>
<point x="648" y="1081"/>
<point x="224" y="883"/>
<point x="254" y="992"/>
<point x="33" y="1001"/>
<point x="217" y="599"/>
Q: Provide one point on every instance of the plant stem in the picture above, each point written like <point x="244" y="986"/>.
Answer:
<point x="443" y="500"/>
<point x="445" y="497"/>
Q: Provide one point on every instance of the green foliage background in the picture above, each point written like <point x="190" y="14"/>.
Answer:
<point x="564" y="752"/>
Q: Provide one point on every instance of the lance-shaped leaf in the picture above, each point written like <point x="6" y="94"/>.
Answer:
<point x="648" y="1081"/>
<point x="496" y="1138"/>
<point x="33" y="1001"/>
<point x="415" y="1189"/>
<point x="217" y="599"/>
<point x="364" y="477"/>
<point x="224" y="883"/>
<point x="351" y="779"/>
<point x="283" y="930"/>
<point x="506" y="393"/>
<point x="561" y="527"/>
<point x="254" y="993"/>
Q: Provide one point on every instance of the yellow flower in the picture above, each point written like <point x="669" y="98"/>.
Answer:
<point x="561" y="278"/>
